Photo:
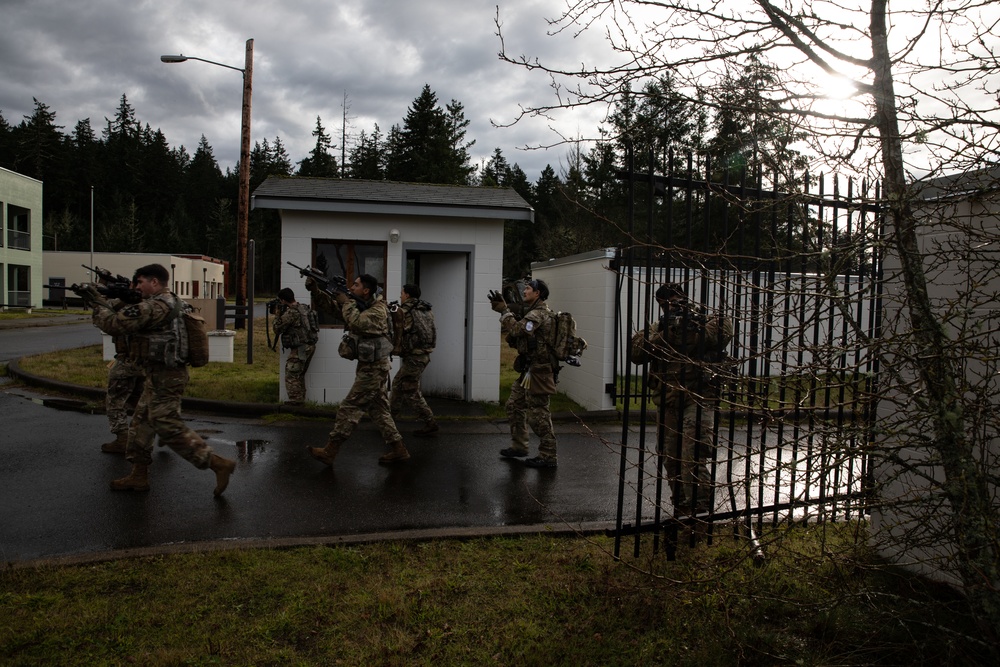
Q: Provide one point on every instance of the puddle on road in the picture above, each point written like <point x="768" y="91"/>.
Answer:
<point x="246" y="450"/>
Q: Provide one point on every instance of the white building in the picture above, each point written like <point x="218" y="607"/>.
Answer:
<point x="20" y="240"/>
<point x="447" y="239"/>
<point x="192" y="277"/>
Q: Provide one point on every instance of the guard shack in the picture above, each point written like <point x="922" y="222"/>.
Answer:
<point x="446" y="238"/>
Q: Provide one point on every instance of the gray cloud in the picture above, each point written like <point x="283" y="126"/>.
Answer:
<point x="80" y="58"/>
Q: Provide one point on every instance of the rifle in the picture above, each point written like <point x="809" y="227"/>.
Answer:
<point x="114" y="286"/>
<point x="128" y="295"/>
<point x="339" y="284"/>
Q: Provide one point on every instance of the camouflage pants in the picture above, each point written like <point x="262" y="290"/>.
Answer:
<point x="405" y="393"/>
<point x="159" y="414"/>
<point x="525" y="409"/>
<point x="125" y="381"/>
<point x="367" y="394"/>
<point x="685" y="448"/>
<point x="296" y="366"/>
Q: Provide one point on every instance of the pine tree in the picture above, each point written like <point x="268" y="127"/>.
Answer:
<point x="320" y="162"/>
<point x="430" y="147"/>
<point x="368" y="158"/>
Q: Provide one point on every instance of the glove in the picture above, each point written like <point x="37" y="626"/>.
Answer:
<point x="310" y="284"/>
<point x="89" y="294"/>
<point x="341" y="298"/>
<point x="496" y="301"/>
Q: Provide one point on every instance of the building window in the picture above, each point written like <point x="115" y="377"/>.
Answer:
<point x="18" y="227"/>
<point x="349" y="259"/>
<point x="18" y="285"/>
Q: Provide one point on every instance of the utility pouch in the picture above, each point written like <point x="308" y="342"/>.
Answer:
<point x="348" y="348"/>
<point x="543" y="380"/>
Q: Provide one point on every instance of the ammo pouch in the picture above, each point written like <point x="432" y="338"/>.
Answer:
<point x="354" y="347"/>
<point x="348" y="348"/>
<point x="375" y="348"/>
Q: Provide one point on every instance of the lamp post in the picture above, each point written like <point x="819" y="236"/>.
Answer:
<point x="243" y="203"/>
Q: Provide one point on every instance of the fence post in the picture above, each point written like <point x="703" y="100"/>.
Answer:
<point x="220" y="312"/>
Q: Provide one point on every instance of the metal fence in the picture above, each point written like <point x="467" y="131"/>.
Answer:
<point x="796" y="268"/>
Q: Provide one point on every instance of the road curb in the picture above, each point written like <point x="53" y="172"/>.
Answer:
<point x="418" y="535"/>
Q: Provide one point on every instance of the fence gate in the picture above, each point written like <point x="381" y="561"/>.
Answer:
<point x="784" y="425"/>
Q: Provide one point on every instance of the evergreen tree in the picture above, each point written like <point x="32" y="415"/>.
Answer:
<point x="7" y="151"/>
<point x="368" y="158"/>
<point x="496" y="171"/>
<point x="320" y="162"/>
<point x="430" y="146"/>
<point x="39" y="143"/>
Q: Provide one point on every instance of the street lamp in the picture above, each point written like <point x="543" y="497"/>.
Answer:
<point x="243" y="203"/>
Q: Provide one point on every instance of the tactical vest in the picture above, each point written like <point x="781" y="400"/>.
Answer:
<point x="161" y="344"/>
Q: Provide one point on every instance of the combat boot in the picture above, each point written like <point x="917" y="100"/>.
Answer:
<point x="222" y="468"/>
<point x="430" y="428"/>
<point x="325" y="454"/>
<point x="396" y="454"/>
<point x="137" y="480"/>
<point x="118" y="445"/>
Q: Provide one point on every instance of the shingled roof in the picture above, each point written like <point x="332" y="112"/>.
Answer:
<point x="348" y="195"/>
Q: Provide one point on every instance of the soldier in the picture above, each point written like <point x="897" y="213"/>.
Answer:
<point x="296" y="326"/>
<point x="125" y="380"/>
<point x="684" y="350"/>
<point x="154" y="342"/>
<point x="414" y="339"/>
<point x="366" y="319"/>
<point x="528" y="404"/>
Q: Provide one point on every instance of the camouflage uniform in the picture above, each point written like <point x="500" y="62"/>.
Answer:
<point x="292" y="326"/>
<point x="125" y="380"/>
<point x="528" y="404"/>
<point x="683" y="386"/>
<point x="406" y="384"/>
<point x="147" y="324"/>
<point x="369" y="392"/>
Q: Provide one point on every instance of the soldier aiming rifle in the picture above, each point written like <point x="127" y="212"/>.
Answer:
<point x="331" y="286"/>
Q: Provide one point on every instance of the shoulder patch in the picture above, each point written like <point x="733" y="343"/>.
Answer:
<point x="529" y="326"/>
<point x="132" y="311"/>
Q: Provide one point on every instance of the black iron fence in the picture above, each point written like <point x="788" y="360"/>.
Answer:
<point x="795" y="267"/>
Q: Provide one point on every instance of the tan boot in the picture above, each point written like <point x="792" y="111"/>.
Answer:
<point x="430" y="428"/>
<point x="137" y="480"/>
<point x="325" y="454"/>
<point x="116" y="446"/>
<point x="222" y="468"/>
<point x="397" y="453"/>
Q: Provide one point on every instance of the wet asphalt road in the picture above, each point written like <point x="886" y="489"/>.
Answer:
<point x="55" y="501"/>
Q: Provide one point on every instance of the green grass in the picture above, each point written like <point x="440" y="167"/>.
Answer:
<point x="501" y="601"/>
<point x="36" y="313"/>
<point x="239" y="381"/>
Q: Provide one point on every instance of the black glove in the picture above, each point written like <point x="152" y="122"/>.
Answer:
<point x="496" y="301"/>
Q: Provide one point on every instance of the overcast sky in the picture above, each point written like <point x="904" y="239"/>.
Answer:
<point x="80" y="57"/>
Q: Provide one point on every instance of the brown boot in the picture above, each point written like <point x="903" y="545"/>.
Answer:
<point x="325" y="454"/>
<point x="397" y="453"/>
<point x="137" y="480"/>
<point x="116" y="446"/>
<point x="222" y="468"/>
<point x="430" y="428"/>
